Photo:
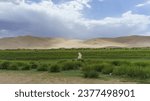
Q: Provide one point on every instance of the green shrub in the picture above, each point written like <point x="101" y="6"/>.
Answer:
<point x="120" y="70"/>
<point x="132" y="71"/>
<point x="142" y="64"/>
<point x="100" y="67"/>
<point x="4" y="64"/>
<point x="25" y="67"/>
<point x="107" y="69"/>
<point x="54" y="68"/>
<point x="19" y="63"/>
<point x="119" y="63"/>
<point x="33" y="65"/>
<point x="43" y="67"/>
<point x="89" y="72"/>
<point x="13" y="66"/>
<point x="136" y="72"/>
<point x="71" y="65"/>
<point x="146" y="72"/>
<point x="116" y="63"/>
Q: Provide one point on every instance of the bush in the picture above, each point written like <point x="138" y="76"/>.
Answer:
<point x="132" y="71"/>
<point x="107" y="69"/>
<point x="71" y="65"/>
<point x="13" y="66"/>
<point x="33" y="65"/>
<point x="100" y="67"/>
<point x="146" y="73"/>
<point x="19" y="64"/>
<point x="42" y="67"/>
<point x="142" y="64"/>
<point x="136" y="71"/>
<point x="25" y="67"/>
<point x="89" y="72"/>
<point x="97" y="67"/>
<point x="4" y="64"/>
<point x="54" y="68"/>
<point x="120" y="70"/>
<point x="119" y="63"/>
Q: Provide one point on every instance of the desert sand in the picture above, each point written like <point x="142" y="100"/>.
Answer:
<point x="32" y="42"/>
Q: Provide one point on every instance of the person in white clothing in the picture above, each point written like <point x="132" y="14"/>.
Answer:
<point x="79" y="56"/>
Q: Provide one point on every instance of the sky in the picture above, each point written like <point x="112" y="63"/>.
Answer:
<point x="82" y="19"/>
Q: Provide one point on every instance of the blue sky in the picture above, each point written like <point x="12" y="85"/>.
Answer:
<point x="74" y="18"/>
<point x="111" y="8"/>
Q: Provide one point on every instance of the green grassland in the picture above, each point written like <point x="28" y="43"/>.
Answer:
<point x="104" y="53"/>
<point x="107" y="64"/>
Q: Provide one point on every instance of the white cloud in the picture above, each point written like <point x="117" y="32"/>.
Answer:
<point x="127" y="24"/>
<point x="43" y="18"/>
<point x="13" y="1"/>
<point x="65" y="20"/>
<point x="143" y="4"/>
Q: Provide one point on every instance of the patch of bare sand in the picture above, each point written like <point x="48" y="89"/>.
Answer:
<point x="31" y="42"/>
<point x="98" y="43"/>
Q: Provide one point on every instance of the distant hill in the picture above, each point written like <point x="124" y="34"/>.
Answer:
<point x="132" y="41"/>
<point x="27" y="42"/>
<point x="31" y="42"/>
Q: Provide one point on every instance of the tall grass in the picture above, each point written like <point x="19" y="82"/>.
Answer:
<point x="4" y="64"/>
<point x="90" y="68"/>
<point x="13" y="66"/>
<point x="133" y="71"/>
<point x="71" y="65"/>
<point x="105" y="53"/>
<point x="26" y="66"/>
<point x="43" y="67"/>
<point x="89" y="72"/>
<point x="55" y="68"/>
<point x="33" y="65"/>
<point x="119" y="63"/>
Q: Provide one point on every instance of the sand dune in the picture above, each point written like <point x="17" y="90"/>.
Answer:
<point x="30" y="42"/>
<point x="132" y="41"/>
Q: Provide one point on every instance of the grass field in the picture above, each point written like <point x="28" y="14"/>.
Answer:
<point x="106" y="65"/>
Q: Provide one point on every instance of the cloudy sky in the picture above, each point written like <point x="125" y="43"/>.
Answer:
<point x="74" y="18"/>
